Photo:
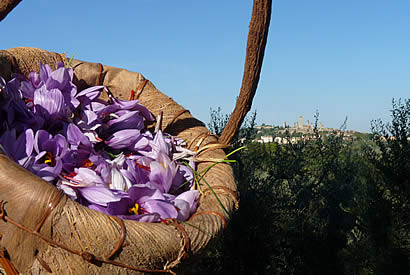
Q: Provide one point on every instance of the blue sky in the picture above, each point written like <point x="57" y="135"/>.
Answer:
<point x="342" y="58"/>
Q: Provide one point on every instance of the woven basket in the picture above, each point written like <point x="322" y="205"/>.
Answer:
<point x="44" y="211"/>
<point x="43" y="231"/>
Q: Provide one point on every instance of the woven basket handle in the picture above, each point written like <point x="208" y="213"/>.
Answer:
<point x="255" y="50"/>
<point x="6" y="6"/>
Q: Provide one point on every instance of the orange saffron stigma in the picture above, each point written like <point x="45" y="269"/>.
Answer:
<point x="143" y="167"/>
<point x="132" y="94"/>
<point x="73" y="180"/>
<point x="72" y="174"/>
<point x="134" y="209"/>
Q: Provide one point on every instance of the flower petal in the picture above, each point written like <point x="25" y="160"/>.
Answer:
<point x="186" y="203"/>
<point x="123" y="139"/>
<point x="88" y="176"/>
<point x="120" y="207"/>
<point x="48" y="102"/>
<point x="98" y="195"/>
<point x="163" y="208"/>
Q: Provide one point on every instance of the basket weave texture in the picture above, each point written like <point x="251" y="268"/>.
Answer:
<point x="99" y="238"/>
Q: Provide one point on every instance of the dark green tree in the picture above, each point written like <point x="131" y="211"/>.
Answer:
<point x="323" y="205"/>
<point x="383" y="209"/>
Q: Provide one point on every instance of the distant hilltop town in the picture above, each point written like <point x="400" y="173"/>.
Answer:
<point x="299" y="131"/>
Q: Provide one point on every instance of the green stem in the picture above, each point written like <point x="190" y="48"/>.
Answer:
<point x="69" y="61"/>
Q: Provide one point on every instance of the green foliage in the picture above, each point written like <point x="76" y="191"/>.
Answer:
<point x="382" y="206"/>
<point x="218" y="121"/>
<point x="290" y="206"/>
<point x="321" y="206"/>
<point x="393" y="159"/>
<point x="246" y="132"/>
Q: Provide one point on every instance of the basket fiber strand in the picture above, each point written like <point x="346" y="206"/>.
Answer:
<point x="64" y="237"/>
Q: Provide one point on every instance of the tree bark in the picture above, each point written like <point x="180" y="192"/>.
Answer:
<point x="255" y="50"/>
<point x="6" y="6"/>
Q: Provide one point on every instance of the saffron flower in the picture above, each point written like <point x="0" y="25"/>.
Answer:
<point x="19" y="149"/>
<point x="50" y="150"/>
<point x="99" y="153"/>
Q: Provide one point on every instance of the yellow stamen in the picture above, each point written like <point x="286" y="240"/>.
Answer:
<point x="87" y="163"/>
<point x="48" y="159"/>
<point x="134" y="209"/>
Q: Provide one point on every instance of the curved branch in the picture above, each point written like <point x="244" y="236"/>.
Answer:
<point x="255" y="50"/>
<point x="6" y="6"/>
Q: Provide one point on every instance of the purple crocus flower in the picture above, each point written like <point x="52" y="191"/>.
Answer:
<point x="126" y="120"/>
<point x="163" y="171"/>
<point x="17" y="114"/>
<point x="178" y="150"/>
<point x="3" y="85"/>
<point x="85" y="97"/>
<point x="76" y="158"/>
<point x="50" y="151"/>
<point x="17" y="87"/>
<point x="169" y="146"/>
<point x="131" y="105"/>
<point x="20" y="150"/>
<point x="118" y="180"/>
<point x="87" y="120"/>
<point x="159" y="146"/>
<point x="127" y="139"/>
<point x="19" y="117"/>
<point x="143" y="204"/>
<point x="184" y="178"/>
<point x="87" y="177"/>
<point x="136" y="170"/>
<point x="35" y="80"/>
<point x="60" y="79"/>
<point x="90" y="186"/>
<point x="99" y="153"/>
<point x="75" y="137"/>
<point x="100" y="195"/>
<point x="68" y="190"/>
<point x="186" y="204"/>
<point x="79" y="151"/>
<point x="49" y="104"/>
